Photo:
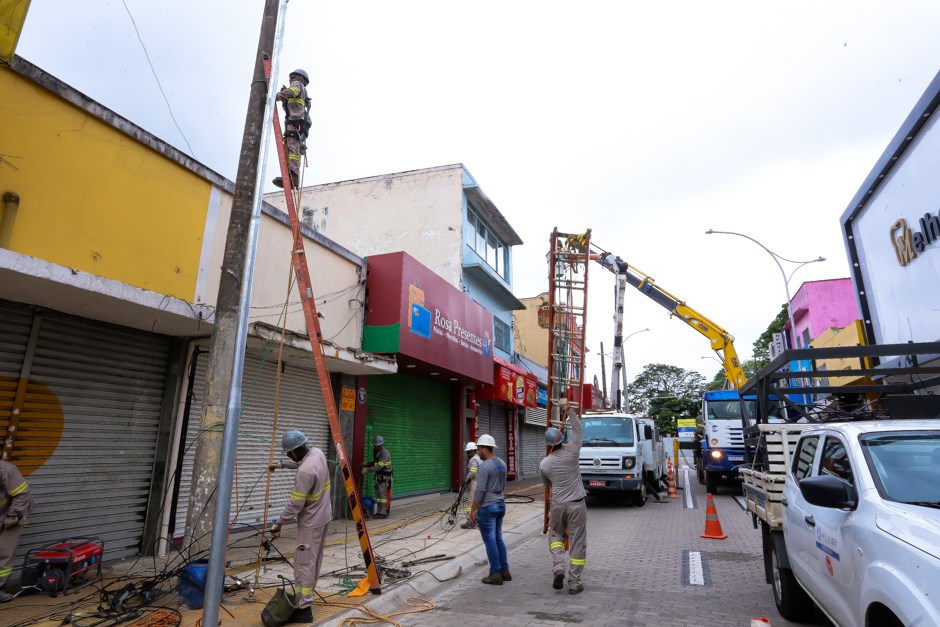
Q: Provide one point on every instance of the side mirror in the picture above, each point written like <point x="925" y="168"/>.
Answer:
<point x="647" y="432"/>
<point x="826" y="491"/>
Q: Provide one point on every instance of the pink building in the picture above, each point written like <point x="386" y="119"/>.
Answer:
<point x="821" y="305"/>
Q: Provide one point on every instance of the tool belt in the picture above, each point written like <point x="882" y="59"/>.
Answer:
<point x="383" y="475"/>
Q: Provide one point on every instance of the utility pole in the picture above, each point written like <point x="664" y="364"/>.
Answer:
<point x="603" y="376"/>
<point x="213" y="470"/>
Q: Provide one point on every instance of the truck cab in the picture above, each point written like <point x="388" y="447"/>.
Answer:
<point x="619" y="454"/>
<point x="722" y="445"/>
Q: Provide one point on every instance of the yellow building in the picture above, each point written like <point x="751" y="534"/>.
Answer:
<point x="531" y="340"/>
<point x="850" y="335"/>
<point x="111" y="244"/>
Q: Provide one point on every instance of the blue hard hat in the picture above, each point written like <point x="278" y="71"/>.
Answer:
<point x="378" y="441"/>
<point x="293" y="439"/>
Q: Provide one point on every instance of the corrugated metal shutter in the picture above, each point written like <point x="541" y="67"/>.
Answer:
<point x="414" y="416"/>
<point x="301" y="407"/>
<point x="493" y="418"/>
<point x="89" y="426"/>
<point x="533" y="450"/>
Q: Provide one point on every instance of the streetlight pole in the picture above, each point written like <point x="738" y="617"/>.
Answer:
<point x="786" y="279"/>
<point x="614" y="384"/>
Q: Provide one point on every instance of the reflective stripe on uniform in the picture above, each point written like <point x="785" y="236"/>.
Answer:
<point x="556" y="545"/>
<point x="6" y="572"/>
<point x="18" y="489"/>
<point x="313" y="497"/>
<point x="296" y="90"/>
<point x="4" y="501"/>
<point x="294" y="157"/>
<point x="384" y="464"/>
<point x="473" y="470"/>
<point x="381" y="500"/>
<point x="577" y="562"/>
<point x="299" y="101"/>
<point x="305" y="591"/>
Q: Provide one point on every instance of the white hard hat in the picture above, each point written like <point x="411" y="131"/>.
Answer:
<point x="293" y="439"/>
<point x="486" y="440"/>
<point x="471" y="446"/>
<point x="378" y="441"/>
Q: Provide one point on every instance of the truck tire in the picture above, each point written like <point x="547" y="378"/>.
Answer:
<point x="700" y="471"/>
<point x="639" y="496"/>
<point x="711" y="482"/>
<point x="792" y="601"/>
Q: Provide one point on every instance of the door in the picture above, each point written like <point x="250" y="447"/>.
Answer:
<point x="834" y="555"/>
<point x="300" y="406"/>
<point x="88" y="423"/>
<point x="414" y="415"/>
<point x="800" y="537"/>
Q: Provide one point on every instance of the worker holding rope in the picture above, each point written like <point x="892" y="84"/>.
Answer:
<point x="311" y="505"/>
<point x="470" y="483"/>
<point x="381" y="465"/>
<point x="567" y="516"/>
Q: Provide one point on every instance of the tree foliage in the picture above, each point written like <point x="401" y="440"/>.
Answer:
<point x="761" y="351"/>
<point x="665" y="393"/>
<point x="750" y="366"/>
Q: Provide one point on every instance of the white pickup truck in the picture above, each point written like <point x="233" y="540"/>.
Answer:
<point x="849" y="512"/>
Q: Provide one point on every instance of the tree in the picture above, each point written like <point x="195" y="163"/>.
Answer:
<point x="664" y="393"/>
<point x="761" y="352"/>
<point x="750" y="367"/>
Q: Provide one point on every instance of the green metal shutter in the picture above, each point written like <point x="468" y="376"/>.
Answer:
<point x="414" y="416"/>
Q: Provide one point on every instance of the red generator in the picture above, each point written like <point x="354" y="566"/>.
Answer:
<point x="65" y="566"/>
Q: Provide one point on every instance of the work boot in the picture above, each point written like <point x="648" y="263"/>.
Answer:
<point x="278" y="182"/>
<point x="559" y="581"/>
<point x="5" y="596"/>
<point x="576" y="589"/>
<point x="493" y="578"/>
<point x="468" y="525"/>
<point x="301" y="615"/>
<point x="381" y="516"/>
<point x="505" y="575"/>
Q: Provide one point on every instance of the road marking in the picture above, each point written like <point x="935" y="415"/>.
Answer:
<point x="695" y="569"/>
<point x="687" y="489"/>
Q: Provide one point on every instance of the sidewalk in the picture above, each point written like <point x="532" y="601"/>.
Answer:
<point x="415" y="529"/>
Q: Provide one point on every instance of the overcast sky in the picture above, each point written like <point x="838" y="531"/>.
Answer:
<point x="647" y="122"/>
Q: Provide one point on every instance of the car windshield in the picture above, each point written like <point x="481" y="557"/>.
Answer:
<point x="608" y="431"/>
<point x="905" y="465"/>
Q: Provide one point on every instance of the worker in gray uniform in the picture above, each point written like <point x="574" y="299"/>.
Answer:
<point x="311" y="506"/>
<point x="470" y="482"/>
<point x="567" y="516"/>
<point x="381" y="465"/>
<point x="296" y="123"/>
<point x="16" y="503"/>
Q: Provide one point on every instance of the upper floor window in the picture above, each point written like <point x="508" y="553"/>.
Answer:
<point x="486" y="244"/>
<point x="501" y="335"/>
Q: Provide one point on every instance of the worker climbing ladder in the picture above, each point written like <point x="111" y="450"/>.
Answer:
<point x="305" y="288"/>
<point x="569" y="258"/>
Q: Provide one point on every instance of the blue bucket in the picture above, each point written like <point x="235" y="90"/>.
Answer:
<point x="192" y="586"/>
<point x="368" y="504"/>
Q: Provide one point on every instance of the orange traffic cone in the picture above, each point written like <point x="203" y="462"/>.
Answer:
<point x="712" y="524"/>
<point x="671" y="492"/>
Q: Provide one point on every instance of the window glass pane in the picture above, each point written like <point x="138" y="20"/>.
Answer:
<point x="835" y="462"/>
<point x="803" y="459"/>
<point x="501" y="335"/>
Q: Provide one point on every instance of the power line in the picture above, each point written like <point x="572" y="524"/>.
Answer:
<point x="157" y="78"/>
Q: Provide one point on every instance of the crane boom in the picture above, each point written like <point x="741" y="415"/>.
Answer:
<point x="722" y="342"/>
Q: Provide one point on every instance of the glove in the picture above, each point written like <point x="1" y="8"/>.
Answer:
<point x="274" y="466"/>
<point x="275" y="531"/>
<point x="10" y="521"/>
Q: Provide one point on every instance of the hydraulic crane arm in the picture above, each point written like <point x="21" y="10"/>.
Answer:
<point x="722" y="342"/>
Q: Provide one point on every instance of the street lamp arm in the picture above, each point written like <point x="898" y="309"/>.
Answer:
<point x="802" y="263"/>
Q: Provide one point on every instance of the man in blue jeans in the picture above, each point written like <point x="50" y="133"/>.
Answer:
<point x="489" y="508"/>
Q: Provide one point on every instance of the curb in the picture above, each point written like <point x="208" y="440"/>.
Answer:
<point x="427" y="583"/>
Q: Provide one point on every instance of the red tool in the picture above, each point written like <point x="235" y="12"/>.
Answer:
<point x="65" y="566"/>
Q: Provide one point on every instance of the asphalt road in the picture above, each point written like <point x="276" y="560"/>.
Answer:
<point x="645" y="566"/>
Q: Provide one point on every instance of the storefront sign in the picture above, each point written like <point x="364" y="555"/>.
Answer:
<point x="511" y="445"/>
<point x="414" y="312"/>
<point x="909" y="243"/>
<point x="511" y="385"/>
<point x="541" y="397"/>
<point x="349" y="400"/>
